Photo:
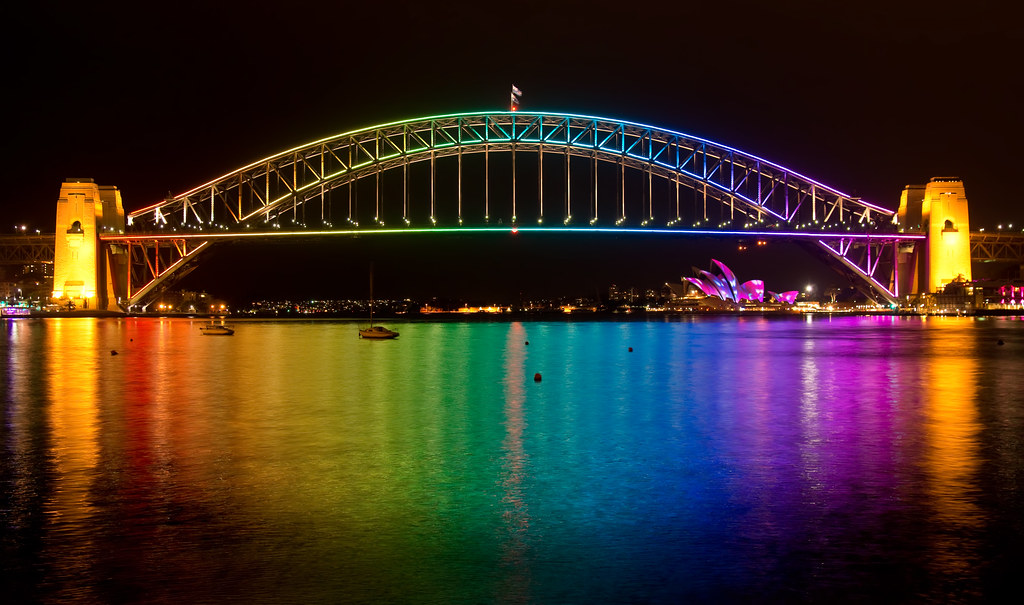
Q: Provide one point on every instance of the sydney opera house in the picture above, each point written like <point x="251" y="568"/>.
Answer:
<point x="726" y="287"/>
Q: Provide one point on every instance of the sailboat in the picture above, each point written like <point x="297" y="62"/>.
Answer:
<point x="376" y="332"/>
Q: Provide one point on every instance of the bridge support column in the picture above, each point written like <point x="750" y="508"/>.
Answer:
<point x="83" y="272"/>
<point x="939" y="209"/>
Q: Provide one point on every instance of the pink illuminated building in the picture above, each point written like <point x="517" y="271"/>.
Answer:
<point x="725" y="286"/>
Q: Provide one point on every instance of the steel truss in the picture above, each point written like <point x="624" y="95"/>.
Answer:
<point x="995" y="247"/>
<point x="264" y="194"/>
<point x="26" y="249"/>
<point x="152" y="261"/>
<point x="271" y="188"/>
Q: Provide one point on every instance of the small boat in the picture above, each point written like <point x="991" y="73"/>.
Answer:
<point x="375" y="332"/>
<point x="216" y="330"/>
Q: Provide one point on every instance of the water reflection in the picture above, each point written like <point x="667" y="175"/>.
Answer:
<point x="515" y="513"/>
<point x="952" y="458"/>
<point x="74" y="376"/>
<point x="729" y="459"/>
<point x="26" y="462"/>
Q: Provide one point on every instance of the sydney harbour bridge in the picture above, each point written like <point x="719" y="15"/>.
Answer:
<point x="485" y="171"/>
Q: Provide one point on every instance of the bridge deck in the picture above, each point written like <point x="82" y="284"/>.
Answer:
<point x="26" y="249"/>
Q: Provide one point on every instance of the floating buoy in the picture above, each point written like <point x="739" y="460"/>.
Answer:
<point x="1000" y="343"/>
<point x="113" y="352"/>
<point x="536" y="377"/>
<point x="630" y="349"/>
<point x="527" y="342"/>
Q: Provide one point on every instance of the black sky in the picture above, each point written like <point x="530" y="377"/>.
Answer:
<point x="865" y="96"/>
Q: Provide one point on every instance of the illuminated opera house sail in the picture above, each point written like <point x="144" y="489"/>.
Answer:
<point x="725" y="286"/>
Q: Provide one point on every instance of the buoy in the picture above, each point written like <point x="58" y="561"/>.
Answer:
<point x="536" y="377"/>
<point x="113" y="352"/>
<point x="630" y="349"/>
<point x="527" y="342"/>
<point x="1000" y="343"/>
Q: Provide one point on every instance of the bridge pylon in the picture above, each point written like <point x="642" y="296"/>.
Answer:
<point x="939" y="210"/>
<point x="85" y="273"/>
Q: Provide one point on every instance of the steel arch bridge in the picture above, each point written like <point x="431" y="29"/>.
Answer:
<point x="661" y="182"/>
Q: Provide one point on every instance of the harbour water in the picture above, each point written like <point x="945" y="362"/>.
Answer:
<point x="722" y="459"/>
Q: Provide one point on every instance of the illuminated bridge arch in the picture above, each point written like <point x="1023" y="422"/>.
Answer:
<point x="639" y="177"/>
<point x="273" y="188"/>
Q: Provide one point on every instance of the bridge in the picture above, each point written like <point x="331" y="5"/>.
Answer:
<point x="26" y="249"/>
<point x="997" y="247"/>
<point x="495" y="171"/>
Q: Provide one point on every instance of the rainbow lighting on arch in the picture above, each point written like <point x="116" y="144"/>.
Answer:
<point x="695" y="177"/>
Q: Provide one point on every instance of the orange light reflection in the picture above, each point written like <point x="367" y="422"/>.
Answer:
<point x="951" y="461"/>
<point x="73" y="368"/>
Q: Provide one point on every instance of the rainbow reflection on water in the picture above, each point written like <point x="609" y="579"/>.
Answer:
<point x="722" y="459"/>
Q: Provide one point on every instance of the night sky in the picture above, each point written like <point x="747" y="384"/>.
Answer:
<point x="867" y="97"/>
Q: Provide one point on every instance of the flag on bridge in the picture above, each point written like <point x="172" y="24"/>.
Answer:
<point x="517" y="96"/>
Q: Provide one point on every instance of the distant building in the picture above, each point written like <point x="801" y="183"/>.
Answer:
<point x="964" y="296"/>
<point x="724" y="286"/>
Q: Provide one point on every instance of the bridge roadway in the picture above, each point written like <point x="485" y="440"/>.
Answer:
<point x="997" y="247"/>
<point x="23" y="250"/>
<point x="31" y="249"/>
<point x="26" y="249"/>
